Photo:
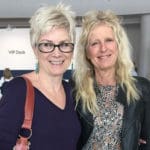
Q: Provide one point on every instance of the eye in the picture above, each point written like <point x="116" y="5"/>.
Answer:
<point x="64" y="45"/>
<point x="109" y="40"/>
<point x="94" y="43"/>
<point x="48" y="44"/>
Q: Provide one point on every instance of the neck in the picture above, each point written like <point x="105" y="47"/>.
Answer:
<point x="105" y="78"/>
<point x="48" y="82"/>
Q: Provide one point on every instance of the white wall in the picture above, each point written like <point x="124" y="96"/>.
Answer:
<point x="15" y="50"/>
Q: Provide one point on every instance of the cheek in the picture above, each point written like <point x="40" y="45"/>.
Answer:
<point x="115" y="46"/>
<point x="116" y="51"/>
<point x="43" y="58"/>
<point x="69" y="57"/>
<point x="89" y="53"/>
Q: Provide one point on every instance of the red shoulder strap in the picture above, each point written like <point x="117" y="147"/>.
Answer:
<point x="29" y="105"/>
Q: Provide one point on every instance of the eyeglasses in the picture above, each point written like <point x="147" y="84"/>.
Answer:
<point x="49" y="47"/>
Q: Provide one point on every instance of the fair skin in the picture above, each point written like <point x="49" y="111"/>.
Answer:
<point x="55" y="63"/>
<point x="102" y="51"/>
<point x="52" y="67"/>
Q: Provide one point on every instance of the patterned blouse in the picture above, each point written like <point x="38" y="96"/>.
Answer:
<point x="107" y="122"/>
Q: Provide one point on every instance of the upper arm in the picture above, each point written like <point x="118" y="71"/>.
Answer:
<point x="145" y="126"/>
<point x="12" y="112"/>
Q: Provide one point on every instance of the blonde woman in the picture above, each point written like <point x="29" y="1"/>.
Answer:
<point x="113" y="105"/>
<point x="55" y="124"/>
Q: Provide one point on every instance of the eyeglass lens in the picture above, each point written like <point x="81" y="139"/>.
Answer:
<point x="49" y="47"/>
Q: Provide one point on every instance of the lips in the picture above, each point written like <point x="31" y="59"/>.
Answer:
<point x="104" y="56"/>
<point x="56" y="62"/>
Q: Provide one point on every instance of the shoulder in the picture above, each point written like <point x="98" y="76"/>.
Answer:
<point x="68" y="88"/>
<point x="66" y="84"/>
<point x="72" y="82"/>
<point x="13" y="98"/>
<point x="142" y="81"/>
<point x="16" y="89"/>
<point x="17" y="82"/>
<point x="12" y="108"/>
<point x="143" y="84"/>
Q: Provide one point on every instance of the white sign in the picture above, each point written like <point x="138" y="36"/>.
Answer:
<point x="15" y="50"/>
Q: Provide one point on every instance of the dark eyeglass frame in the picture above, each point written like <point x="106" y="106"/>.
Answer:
<point x="56" y="45"/>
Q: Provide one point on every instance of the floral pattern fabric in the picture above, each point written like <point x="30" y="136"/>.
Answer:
<point x="107" y="122"/>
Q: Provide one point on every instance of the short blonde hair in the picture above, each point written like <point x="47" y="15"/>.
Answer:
<point x="47" y="17"/>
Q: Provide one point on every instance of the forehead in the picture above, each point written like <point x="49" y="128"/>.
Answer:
<point x="101" y="29"/>
<point x="101" y="32"/>
<point x="55" y="34"/>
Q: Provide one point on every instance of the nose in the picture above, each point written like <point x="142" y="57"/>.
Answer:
<point x="103" y="46"/>
<point x="56" y="51"/>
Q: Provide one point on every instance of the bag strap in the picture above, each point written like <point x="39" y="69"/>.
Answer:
<point x="29" y="106"/>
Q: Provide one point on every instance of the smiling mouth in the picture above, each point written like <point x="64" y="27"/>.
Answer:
<point x="103" y="57"/>
<point x="56" y="62"/>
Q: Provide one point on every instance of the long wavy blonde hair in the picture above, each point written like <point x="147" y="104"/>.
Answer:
<point x="84" y="71"/>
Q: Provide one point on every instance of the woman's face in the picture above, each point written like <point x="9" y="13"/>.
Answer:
<point x="54" y="63"/>
<point x="102" y="48"/>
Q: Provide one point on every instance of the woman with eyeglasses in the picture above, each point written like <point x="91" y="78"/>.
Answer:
<point x="55" y="123"/>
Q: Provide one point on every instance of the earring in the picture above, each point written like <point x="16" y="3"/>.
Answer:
<point x="37" y="67"/>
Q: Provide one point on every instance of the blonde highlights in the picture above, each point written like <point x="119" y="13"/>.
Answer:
<point x="84" y="71"/>
<point x="48" y="17"/>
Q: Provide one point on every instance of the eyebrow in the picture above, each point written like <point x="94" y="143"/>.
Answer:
<point x="49" y="41"/>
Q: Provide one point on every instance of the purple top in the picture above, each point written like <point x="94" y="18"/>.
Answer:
<point x="53" y="128"/>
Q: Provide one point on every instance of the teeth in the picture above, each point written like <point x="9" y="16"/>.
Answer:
<point x="56" y="62"/>
<point x="104" y="56"/>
